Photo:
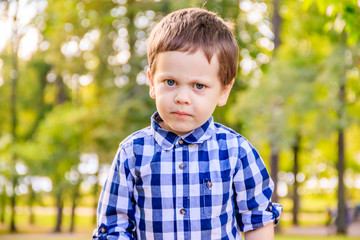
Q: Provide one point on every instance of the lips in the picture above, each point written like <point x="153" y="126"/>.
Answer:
<point x="181" y="114"/>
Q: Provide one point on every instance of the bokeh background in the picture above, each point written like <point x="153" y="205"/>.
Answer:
<point x="73" y="84"/>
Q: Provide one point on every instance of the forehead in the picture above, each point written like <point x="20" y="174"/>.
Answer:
<point x="187" y="65"/>
<point x="194" y="62"/>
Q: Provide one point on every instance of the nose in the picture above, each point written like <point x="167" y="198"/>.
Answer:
<point x="182" y="96"/>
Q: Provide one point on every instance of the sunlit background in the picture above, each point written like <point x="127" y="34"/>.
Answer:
<point x="73" y="84"/>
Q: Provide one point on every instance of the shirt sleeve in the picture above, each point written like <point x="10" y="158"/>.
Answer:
<point x="116" y="206"/>
<point x="253" y="189"/>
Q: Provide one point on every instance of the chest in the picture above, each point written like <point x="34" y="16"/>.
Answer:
<point x="184" y="165"/>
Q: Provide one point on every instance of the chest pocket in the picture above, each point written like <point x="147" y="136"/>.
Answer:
<point x="215" y="196"/>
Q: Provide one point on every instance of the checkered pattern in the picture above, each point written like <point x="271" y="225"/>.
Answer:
<point x="209" y="184"/>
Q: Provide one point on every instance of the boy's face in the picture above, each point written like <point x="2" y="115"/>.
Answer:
<point x="186" y="89"/>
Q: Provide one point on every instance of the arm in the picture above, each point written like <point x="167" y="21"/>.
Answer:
<point x="116" y="209"/>
<point x="253" y="189"/>
<point x="264" y="233"/>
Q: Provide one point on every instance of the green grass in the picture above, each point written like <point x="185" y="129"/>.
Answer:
<point x="287" y="237"/>
<point x="305" y="219"/>
<point x="37" y="237"/>
<point x="82" y="237"/>
<point x="311" y="204"/>
<point x="313" y="214"/>
<point x="45" y="223"/>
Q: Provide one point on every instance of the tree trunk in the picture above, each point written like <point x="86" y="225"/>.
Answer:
<point x="341" y="219"/>
<point x="74" y="200"/>
<point x="40" y="105"/>
<point x="295" y="209"/>
<point x="62" y="95"/>
<point x="72" y="220"/>
<point x="2" y="205"/>
<point x="60" y="207"/>
<point x="31" y="204"/>
<point x="13" y="113"/>
<point x="276" y="21"/>
<point x="12" y="206"/>
<point x="96" y="198"/>
<point x="14" y="140"/>
<point x="274" y="165"/>
<point x="274" y="169"/>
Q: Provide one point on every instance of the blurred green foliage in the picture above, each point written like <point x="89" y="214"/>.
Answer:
<point x="84" y="89"/>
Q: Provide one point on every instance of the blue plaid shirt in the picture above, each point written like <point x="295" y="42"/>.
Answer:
<point x="208" y="184"/>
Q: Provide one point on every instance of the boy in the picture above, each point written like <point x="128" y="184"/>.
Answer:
<point x="186" y="177"/>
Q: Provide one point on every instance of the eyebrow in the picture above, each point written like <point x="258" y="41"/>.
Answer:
<point x="165" y="75"/>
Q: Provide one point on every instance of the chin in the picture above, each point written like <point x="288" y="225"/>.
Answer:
<point x="182" y="131"/>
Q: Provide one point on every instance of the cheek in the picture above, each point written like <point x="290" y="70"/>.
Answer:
<point x="207" y="106"/>
<point x="166" y="94"/>
<point x="162" y="101"/>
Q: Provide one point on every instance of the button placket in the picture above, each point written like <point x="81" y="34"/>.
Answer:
<point x="185" y="171"/>
<point x="182" y="166"/>
<point x="182" y="211"/>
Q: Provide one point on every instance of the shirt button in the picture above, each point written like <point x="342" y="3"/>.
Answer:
<point x="209" y="185"/>
<point x="181" y="141"/>
<point x="103" y="230"/>
<point x="182" y="211"/>
<point x="182" y="166"/>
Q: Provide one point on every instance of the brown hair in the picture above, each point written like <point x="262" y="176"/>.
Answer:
<point x="188" y="30"/>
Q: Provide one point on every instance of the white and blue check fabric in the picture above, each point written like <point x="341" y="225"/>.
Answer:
<point x="209" y="184"/>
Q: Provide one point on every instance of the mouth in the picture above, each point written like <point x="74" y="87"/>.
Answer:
<point x="181" y="114"/>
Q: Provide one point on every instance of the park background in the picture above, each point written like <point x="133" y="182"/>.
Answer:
<point x="73" y="85"/>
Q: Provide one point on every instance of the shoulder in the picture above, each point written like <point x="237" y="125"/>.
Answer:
<point x="135" y="144"/>
<point x="233" y="138"/>
<point x="141" y="137"/>
<point x="222" y="132"/>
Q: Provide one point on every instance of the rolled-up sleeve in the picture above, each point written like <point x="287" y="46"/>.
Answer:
<point x="253" y="189"/>
<point x="115" y="218"/>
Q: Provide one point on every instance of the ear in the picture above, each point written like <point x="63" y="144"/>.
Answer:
<point x="151" y="85"/>
<point x="225" y="92"/>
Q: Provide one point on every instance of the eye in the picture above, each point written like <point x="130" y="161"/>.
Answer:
<point x="199" y="86"/>
<point x="170" y="82"/>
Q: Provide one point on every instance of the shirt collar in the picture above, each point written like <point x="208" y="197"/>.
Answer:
<point x="168" y="140"/>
